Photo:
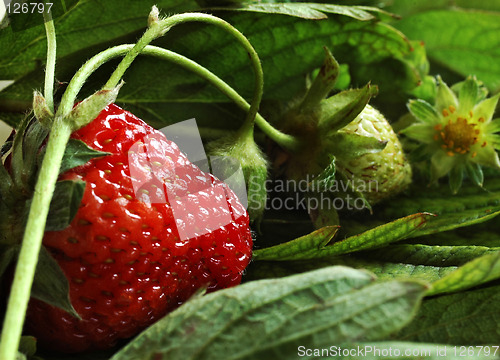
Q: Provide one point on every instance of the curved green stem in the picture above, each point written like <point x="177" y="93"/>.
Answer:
<point x="286" y="141"/>
<point x="160" y="27"/>
<point x="51" y="61"/>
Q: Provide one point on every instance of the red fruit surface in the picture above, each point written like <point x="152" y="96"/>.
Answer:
<point x="127" y="258"/>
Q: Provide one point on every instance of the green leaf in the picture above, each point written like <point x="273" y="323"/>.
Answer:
<point x="87" y="24"/>
<point x="313" y="247"/>
<point x="340" y="109"/>
<point x="441" y="255"/>
<point x="383" y="270"/>
<point x="469" y="317"/>
<point x="473" y="273"/>
<point x="459" y="41"/>
<point x="78" y="153"/>
<point x="162" y="93"/>
<point x="50" y="284"/>
<point x="271" y="318"/>
<point x="312" y="11"/>
<point x="64" y="205"/>
<point x="314" y="241"/>
<point x="471" y="206"/>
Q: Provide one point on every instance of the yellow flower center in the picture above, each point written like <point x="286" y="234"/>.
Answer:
<point x="459" y="134"/>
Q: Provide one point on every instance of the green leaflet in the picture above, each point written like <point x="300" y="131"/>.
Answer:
<point x="459" y="43"/>
<point x="384" y="270"/>
<point x="473" y="273"/>
<point x="271" y="318"/>
<point x="304" y="248"/>
<point x="470" y="206"/>
<point x="315" y="241"/>
<point x="442" y="255"/>
<point x="482" y="237"/>
<point x="312" y="11"/>
<point x="469" y="317"/>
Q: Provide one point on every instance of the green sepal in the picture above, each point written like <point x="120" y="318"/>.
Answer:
<point x="7" y="256"/>
<point x="25" y="149"/>
<point x="475" y="173"/>
<point x="78" y="153"/>
<point x="27" y="346"/>
<point x="42" y="111"/>
<point x="350" y="145"/>
<point x="322" y="216"/>
<point x="64" y="205"/>
<point x="420" y="153"/>
<point x="86" y="111"/>
<point x="494" y="126"/>
<point x="50" y="285"/>
<point x="254" y="165"/>
<point x="420" y="132"/>
<point x="456" y="177"/>
<point x="17" y="159"/>
<point x="5" y="182"/>
<point x="323" y="83"/>
<point x="340" y="109"/>
<point x="324" y="180"/>
<point x="444" y="96"/>
<point x="34" y="137"/>
<point x="470" y="92"/>
<point x="351" y="193"/>
<point x="423" y="111"/>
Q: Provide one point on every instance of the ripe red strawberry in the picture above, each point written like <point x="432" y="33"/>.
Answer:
<point x="129" y="258"/>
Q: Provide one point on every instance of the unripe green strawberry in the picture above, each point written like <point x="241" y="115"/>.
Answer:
<point x="347" y="147"/>
<point x="389" y="168"/>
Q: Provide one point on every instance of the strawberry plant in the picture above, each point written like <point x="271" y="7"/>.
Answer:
<point x="319" y="223"/>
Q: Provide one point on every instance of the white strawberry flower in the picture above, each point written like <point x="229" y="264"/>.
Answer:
<point x="457" y="134"/>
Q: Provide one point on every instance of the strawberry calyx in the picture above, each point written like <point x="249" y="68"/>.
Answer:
<point x="24" y="152"/>
<point x="253" y="163"/>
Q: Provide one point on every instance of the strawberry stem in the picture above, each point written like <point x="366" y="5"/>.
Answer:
<point x="32" y="240"/>
<point x="159" y="27"/>
<point x="286" y="141"/>
<point x="51" y="60"/>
